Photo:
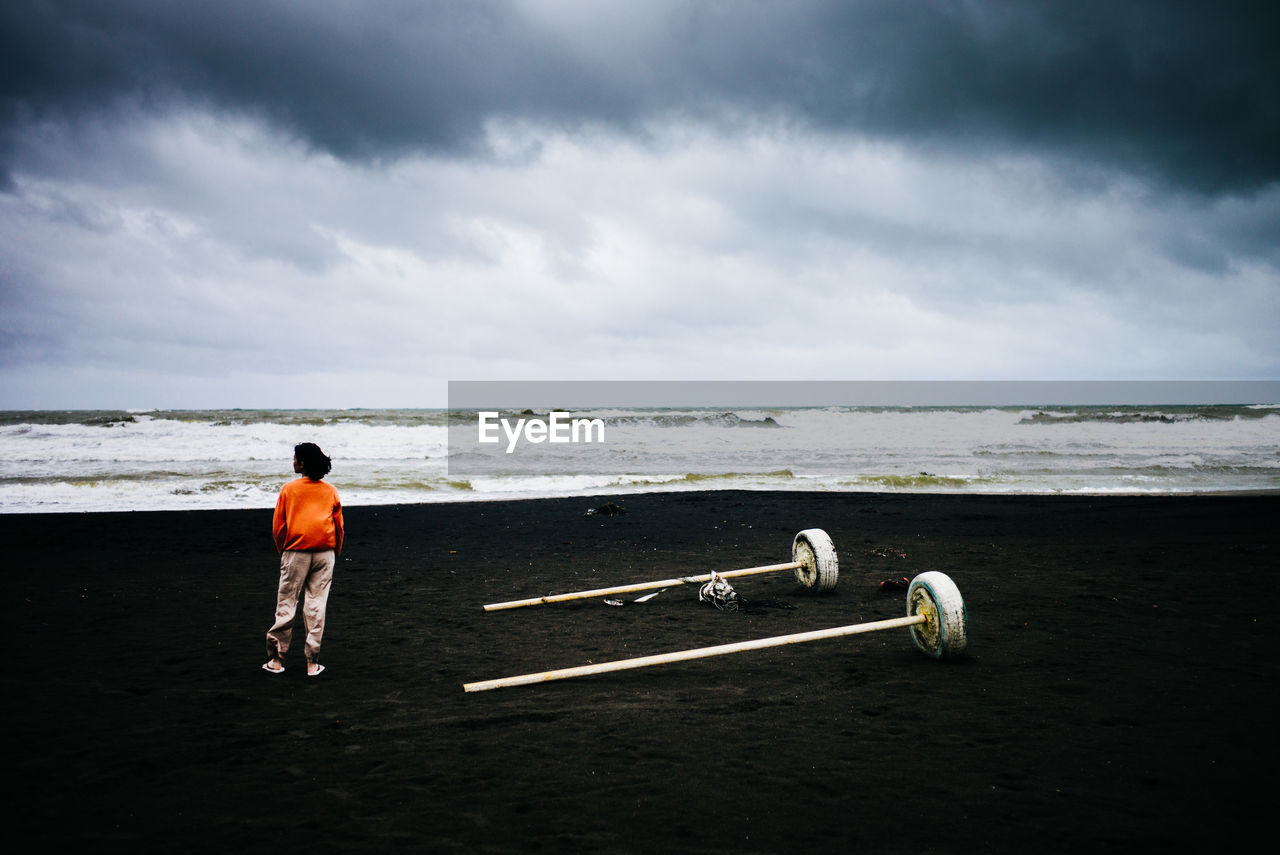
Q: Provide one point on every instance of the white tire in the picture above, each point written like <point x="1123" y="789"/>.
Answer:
<point x="945" y="633"/>
<point x="819" y="568"/>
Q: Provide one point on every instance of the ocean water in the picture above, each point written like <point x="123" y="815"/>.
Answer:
<point x="171" y="460"/>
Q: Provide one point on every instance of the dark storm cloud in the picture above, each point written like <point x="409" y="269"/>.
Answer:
<point x="1183" y="93"/>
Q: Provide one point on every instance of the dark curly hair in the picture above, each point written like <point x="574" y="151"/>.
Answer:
<point x="315" y="465"/>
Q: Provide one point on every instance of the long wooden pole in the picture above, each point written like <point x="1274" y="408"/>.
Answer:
<point x="699" y="653"/>
<point x="640" y="586"/>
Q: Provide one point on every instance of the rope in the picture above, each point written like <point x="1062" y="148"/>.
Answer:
<point x="720" y="594"/>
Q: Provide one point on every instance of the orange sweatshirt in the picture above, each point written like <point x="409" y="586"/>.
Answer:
<point x="308" y="517"/>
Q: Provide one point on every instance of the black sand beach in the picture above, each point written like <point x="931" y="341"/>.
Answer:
<point x="1118" y="695"/>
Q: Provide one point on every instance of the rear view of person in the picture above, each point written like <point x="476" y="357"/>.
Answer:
<point x="308" y="532"/>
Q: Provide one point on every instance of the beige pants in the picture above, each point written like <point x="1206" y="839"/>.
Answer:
<point x="314" y="571"/>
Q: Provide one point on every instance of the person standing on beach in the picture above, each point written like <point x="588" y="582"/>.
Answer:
<point x="308" y="533"/>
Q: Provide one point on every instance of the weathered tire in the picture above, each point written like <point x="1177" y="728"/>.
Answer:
<point x="820" y="568"/>
<point x="946" y="632"/>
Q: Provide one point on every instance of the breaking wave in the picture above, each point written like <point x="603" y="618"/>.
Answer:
<point x="149" y="460"/>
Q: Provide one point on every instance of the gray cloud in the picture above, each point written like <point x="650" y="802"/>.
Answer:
<point x="1180" y="92"/>
<point x="610" y="189"/>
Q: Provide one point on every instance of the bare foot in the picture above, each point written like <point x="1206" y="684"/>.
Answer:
<point x="275" y="666"/>
<point x="314" y="668"/>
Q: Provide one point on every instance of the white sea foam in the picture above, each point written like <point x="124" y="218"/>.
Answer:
<point x="225" y="459"/>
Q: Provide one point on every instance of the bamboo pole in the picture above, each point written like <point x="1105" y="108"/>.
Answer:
<point x="640" y="586"/>
<point x="699" y="653"/>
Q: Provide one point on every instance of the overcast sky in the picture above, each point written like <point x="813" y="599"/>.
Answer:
<point x="296" y="203"/>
